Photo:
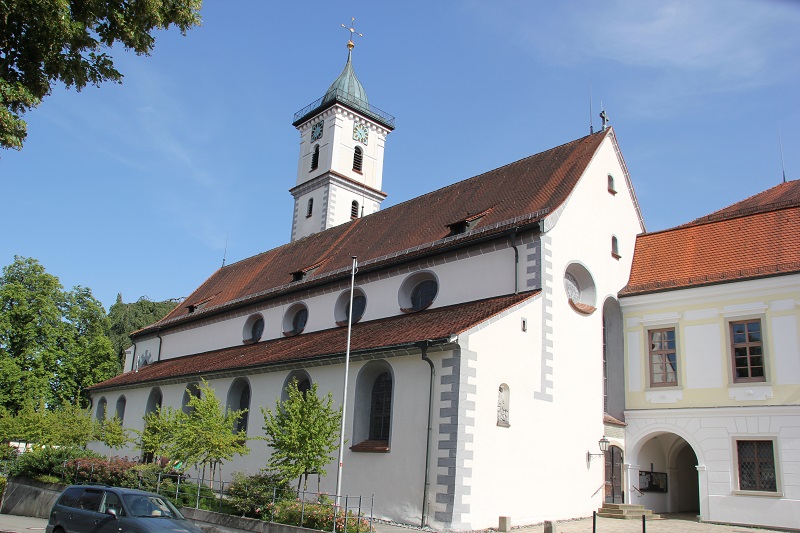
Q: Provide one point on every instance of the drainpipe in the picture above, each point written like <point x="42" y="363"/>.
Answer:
<point x="424" y="347"/>
<point x="160" y="342"/>
<point x="516" y="260"/>
<point x="133" y="362"/>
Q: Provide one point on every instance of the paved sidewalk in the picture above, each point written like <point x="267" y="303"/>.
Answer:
<point x="669" y="524"/>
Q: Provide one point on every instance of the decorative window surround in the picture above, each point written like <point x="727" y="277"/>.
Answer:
<point x="748" y="309"/>
<point x="662" y="395"/>
<point x="661" y="319"/>
<point x="748" y="392"/>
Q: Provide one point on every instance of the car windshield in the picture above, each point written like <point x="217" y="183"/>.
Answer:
<point x="151" y="506"/>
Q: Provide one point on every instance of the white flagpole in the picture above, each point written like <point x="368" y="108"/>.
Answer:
<point x="344" y="391"/>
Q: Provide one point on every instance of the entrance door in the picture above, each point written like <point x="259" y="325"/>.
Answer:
<point x="614" y="475"/>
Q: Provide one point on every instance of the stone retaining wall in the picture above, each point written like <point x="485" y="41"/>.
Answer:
<point x="25" y="497"/>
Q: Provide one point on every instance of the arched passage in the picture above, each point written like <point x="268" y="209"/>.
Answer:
<point x="667" y="479"/>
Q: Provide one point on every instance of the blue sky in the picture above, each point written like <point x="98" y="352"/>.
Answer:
<point x="136" y="188"/>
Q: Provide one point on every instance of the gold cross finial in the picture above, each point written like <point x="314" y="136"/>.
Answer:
<point x="352" y="30"/>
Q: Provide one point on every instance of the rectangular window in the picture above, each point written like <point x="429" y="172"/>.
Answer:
<point x="756" y="465"/>
<point x="747" y="351"/>
<point x="663" y="358"/>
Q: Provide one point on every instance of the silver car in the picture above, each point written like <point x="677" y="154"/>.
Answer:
<point x="100" y="509"/>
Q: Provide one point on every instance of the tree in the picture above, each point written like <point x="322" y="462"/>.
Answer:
<point x="67" y="40"/>
<point x="303" y="432"/>
<point x="67" y="426"/>
<point x="205" y="435"/>
<point x="160" y="427"/>
<point x="127" y="318"/>
<point x="113" y="434"/>
<point x="53" y="343"/>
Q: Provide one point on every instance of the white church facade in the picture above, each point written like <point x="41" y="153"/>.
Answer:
<point x="498" y="334"/>
<point x="480" y="305"/>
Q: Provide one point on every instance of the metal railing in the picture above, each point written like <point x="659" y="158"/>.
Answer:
<point x="340" y="96"/>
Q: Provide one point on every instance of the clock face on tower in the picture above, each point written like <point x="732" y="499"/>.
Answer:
<point x="361" y="133"/>
<point x="316" y="130"/>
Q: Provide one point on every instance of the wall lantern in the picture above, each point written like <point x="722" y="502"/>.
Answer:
<point x="603" y="444"/>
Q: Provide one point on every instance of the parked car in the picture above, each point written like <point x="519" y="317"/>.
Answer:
<point x="101" y="509"/>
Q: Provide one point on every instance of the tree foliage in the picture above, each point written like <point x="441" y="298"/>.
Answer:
<point x="113" y="434"/>
<point x="53" y="343"/>
<point x="47" y="41"/>
<point x="159" y="431"/>
<point x="67" y="426"/>
<point x="205" y="434"/>
<point x="303" y="431"/>
<point x="127" y="318"/>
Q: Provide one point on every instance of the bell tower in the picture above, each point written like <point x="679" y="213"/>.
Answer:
<point x="340" y="168"/>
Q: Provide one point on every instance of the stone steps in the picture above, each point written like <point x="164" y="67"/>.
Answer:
<point x="626" y="511"/>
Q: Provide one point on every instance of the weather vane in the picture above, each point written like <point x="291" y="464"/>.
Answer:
<point x="352" y="31"/>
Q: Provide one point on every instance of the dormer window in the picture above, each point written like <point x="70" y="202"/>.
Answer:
<point x="354" y="209"/>
<point x="465" y="225"/>
<point x="315" y="158"/>
<point x="307" y="271"/>
<point x="310" y="207"/>
<point x="198" y="305"/>
<point x="358" y="159"/>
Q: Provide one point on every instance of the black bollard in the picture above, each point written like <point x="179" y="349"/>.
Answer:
<point x="594" y="521"/>
<point x="644" y="524"/>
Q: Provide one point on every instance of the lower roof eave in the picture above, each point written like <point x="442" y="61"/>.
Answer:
<point x="383" y="352"/>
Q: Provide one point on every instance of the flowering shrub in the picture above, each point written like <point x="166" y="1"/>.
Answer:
<point x="251" y="494"/>
<point x="47" y="460"/>
<point x="315" y="515"/>
<point x="117" y="472"/>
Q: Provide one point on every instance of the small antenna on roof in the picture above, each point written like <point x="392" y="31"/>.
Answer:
<point x="783" y="167"/>
<point x="225" y="253"/>
<point x="591" y="115"/>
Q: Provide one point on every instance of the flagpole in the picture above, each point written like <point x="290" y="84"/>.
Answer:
<point x="344" y="389"/>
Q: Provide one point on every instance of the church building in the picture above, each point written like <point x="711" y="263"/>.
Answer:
<point x="486" y="356"/>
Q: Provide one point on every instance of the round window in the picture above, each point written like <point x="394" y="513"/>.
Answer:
<point x="423" y="294"/>
<point x="359" y="305"/>
<point x="572" y="287"/>
<point x="299" y="320"/>
<point x="257" y="329"/>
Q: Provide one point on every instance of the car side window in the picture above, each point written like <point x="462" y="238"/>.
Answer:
<point x="70" y="496"/>
<point x="113" y="502"/>
<point x="90" y="500"/>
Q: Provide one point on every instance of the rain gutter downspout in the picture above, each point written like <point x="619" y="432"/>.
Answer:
<point x="516" y="260"/>
<point x="160" y="342"/>
<point x="133" y="362"/>
<point x="424" y="347"/>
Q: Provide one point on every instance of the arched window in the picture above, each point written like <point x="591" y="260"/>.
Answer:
<point x="239" y="400"/>
<point x="303" y="383"/>
<point x="372" y="421"/>
<point x="315" y="158"/>
<point x="102" y="406"/>
<point x="381" y="408"/>
<point x="503" y="404"/>
<point x="611" y="187"/>
<point x="354" y="209"/>
<point x="358" y="159"/>
<point x="192" y="391"/>
<point x="153" y="401"/>
<point x="615" y="248"/>
<point x="310" y="207"/>
<point x="120" y="411"/>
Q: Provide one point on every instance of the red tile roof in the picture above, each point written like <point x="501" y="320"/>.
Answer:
<point x="754" y="238"/>
<point x="513" y="195"/>
<point x="385" y="334"/>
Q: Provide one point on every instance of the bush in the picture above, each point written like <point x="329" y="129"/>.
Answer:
<point x="117" y="472"/>
<point x="47" y="460"/>
<point x="250" y="495"/>
<point x="316" y="515"/>
<point x="2" y="486"/>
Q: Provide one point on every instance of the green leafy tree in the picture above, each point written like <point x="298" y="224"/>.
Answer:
<point x="53" y="343"/>
<point x="114" y="435"/>
<point x="205" y="434"/>
<point x="303" y="432"/>
<point x="70" y="426"/>
<point x="160" y="428"/>
<point x="127" y="318"/>
<point x="49" y="41"/>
